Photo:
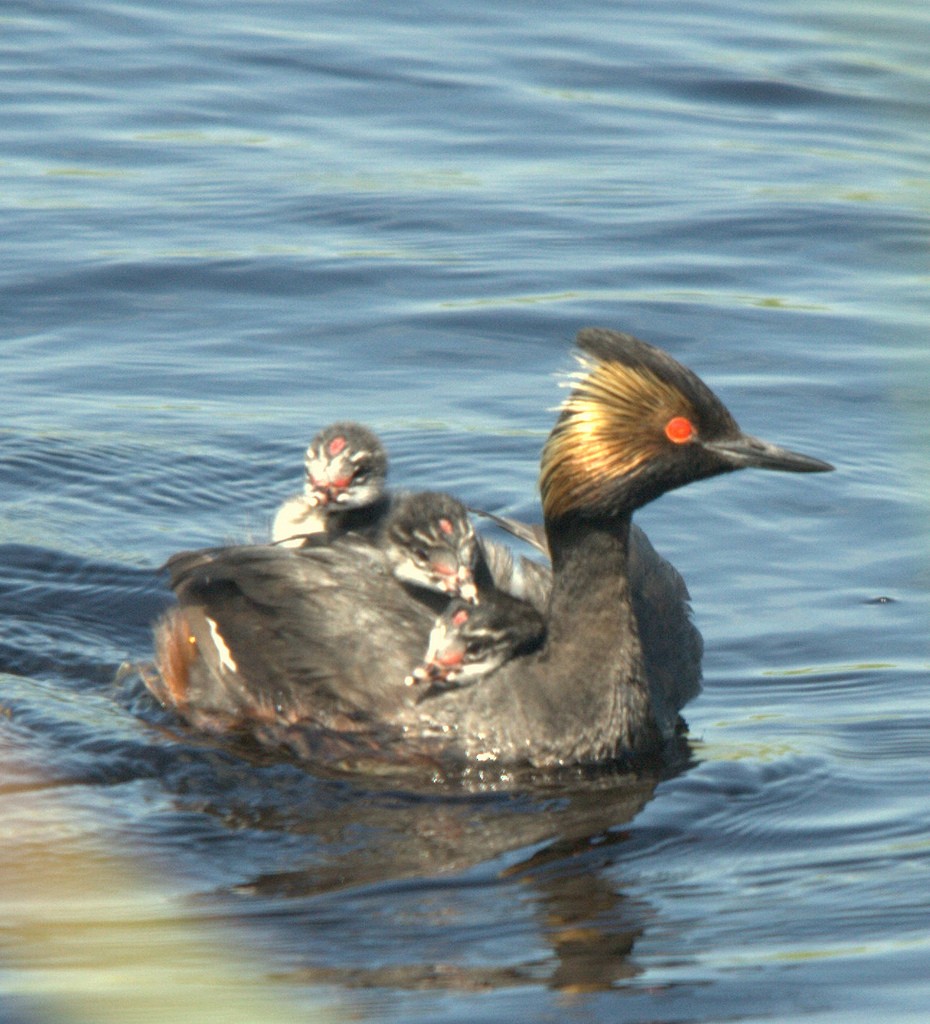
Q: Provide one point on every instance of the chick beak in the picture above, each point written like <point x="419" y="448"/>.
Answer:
<point x="456" y="580"/>
<point x="467" y="590"/>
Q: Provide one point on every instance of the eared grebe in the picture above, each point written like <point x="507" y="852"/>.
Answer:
<point x="325" y="638"/>
<point x="346" y="477"/>
<point x="430" y="542"/>
<point x="469" y="642"/>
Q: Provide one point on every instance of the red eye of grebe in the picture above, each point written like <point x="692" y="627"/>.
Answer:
<point x="679" y="430"/>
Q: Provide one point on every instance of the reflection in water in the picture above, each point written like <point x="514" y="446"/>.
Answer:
<point x="544" y="844"/>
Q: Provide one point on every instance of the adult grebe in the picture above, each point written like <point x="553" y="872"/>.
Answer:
<point x="324" y="639"/>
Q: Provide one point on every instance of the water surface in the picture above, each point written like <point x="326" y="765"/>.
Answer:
<point x="227" y="224"/>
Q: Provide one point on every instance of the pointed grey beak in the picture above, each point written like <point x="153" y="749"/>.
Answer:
<point x="744" y="451"/>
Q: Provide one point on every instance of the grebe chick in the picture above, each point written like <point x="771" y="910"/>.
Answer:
<point x="328" y="639"/>
<point x="469" y="642"/>
<point x="430" y="542"/>
<point x="344" y="489"/>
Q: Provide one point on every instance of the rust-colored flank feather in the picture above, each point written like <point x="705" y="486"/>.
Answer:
<point x="175" y="652"/>
<point x="610" y="426"/>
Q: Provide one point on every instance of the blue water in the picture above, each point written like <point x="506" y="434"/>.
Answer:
<point x="227" y="224"/>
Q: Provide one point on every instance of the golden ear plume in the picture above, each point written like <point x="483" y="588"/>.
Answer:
<point x="610" y="426"/>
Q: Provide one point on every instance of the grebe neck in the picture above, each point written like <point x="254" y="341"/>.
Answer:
<point x="593" y="639"/>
